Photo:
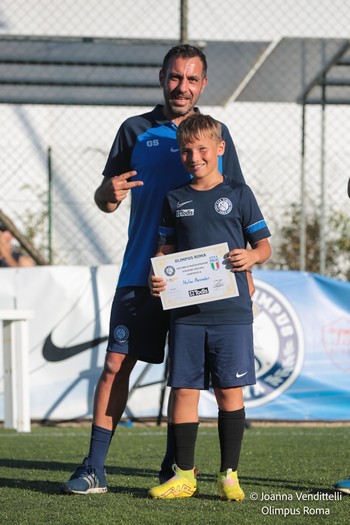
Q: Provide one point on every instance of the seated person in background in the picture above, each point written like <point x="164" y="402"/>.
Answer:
<point x="9" y="256"/>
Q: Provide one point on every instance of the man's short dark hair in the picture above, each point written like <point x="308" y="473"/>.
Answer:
<point x="185" y="51"/>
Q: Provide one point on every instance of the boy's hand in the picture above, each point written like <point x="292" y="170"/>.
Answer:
<point x="241" y="259"/>
<point x="156" y="285"/>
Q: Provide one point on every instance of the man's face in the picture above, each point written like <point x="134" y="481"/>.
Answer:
<point x="182" y="84"/>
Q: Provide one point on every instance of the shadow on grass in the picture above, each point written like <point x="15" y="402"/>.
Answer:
<point x="52" y="487"/>
<point x="70" y="467"/>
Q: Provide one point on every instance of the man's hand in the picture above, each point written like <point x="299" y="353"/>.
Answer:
<point x="113" y="191"/>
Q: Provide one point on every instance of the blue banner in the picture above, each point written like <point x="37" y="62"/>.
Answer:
<point x="302" y="348"/>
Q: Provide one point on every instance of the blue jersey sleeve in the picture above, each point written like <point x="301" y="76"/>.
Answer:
<point x="253" y="223"/>
<point x="118" y="161"/>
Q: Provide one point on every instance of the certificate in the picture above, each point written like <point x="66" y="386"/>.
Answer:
<point x="195" y="276"/>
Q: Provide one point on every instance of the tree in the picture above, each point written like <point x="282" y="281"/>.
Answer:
<point x="286" y="254"/>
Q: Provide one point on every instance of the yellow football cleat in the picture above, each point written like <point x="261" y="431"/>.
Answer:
<point x="182" y="485"/>
<point x="228" y="486"/>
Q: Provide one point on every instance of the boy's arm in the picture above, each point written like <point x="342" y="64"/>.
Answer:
<point x="242" y="259"/>
<point x="262" y="251"/>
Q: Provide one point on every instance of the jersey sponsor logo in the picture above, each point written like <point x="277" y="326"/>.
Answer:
<point x="180" y="204"/>
<point x="278" y="346"/>
<point x="174" y="150"/>
<point x="184" y="213"/>
<point x="121" y="334"/>
<point x="223" y="206"/>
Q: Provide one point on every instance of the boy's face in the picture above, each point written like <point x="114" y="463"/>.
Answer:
<point x="200" y="157"/>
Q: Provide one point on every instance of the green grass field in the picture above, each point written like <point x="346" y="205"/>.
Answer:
<point x="287" y="473"/>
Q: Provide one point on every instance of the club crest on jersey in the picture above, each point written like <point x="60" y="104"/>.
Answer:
<point x="121" y="334"/>
<point x="214" y="262"/>
<point x="278" y="346"/>
<point x="223" y="206"/>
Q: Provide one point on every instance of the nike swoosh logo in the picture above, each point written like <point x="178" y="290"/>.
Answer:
<point x="54" y="353"/>
<point x="240" y="375"/>
<point x="180" y="204"/>
<point x="174" y="150"/>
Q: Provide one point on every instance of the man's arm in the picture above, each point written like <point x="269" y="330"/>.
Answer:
<point x="113" y="191"/>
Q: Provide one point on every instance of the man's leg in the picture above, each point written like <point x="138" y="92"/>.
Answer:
<point x="109" y="404"/>
<point x="138" y="328"/>
<point x="112" y="390"/>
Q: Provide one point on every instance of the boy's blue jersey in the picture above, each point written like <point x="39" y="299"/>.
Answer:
<point x="147" y="143"/>
<point x="193" y="219"/>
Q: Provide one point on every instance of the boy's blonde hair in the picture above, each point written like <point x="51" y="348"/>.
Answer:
<point x="195" y="126"/>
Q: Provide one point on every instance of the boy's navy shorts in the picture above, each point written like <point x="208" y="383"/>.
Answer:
<point x="220" y="356"/>
<point x="138" y="325"/>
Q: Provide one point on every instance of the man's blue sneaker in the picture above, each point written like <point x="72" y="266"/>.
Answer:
<point x="86" y="480"/>
<point x="343" y="486"/>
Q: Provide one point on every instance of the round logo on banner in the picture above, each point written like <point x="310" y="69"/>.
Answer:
<point x="278" y="346"/>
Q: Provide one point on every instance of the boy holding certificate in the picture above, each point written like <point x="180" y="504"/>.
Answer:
<point x="210" y="340"/>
